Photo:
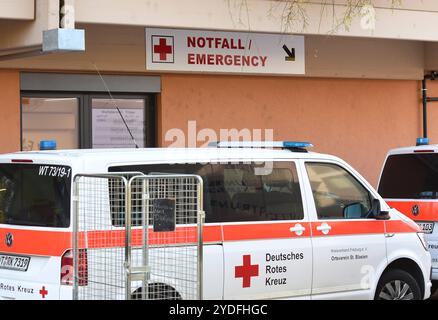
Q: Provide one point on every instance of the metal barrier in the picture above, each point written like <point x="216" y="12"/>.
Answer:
<point x="139" y="238"/>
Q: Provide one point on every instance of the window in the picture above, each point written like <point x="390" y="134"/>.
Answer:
<point x="233" y="192"/>
<point x="410" y="176"/>
<point x="337" y="194"/>
<point x="114" y="120"/>
<point x="79" y="110"/>
<point x="50" y="118"/>
<point x="30" y="195"/>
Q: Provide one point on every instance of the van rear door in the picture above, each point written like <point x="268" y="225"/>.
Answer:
<point x="409" y="183"/>
<point x="34" y="229"/>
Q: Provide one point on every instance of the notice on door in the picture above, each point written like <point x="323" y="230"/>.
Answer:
<point x="109" y="130"/>
<point x="224" y="52"/>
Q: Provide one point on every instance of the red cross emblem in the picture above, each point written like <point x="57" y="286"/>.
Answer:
<point x="246" y="271"/>
<point x="162" y="49"/>
<point x="44" y="292"/>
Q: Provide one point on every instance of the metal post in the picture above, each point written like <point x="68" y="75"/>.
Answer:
<point x="145" y="215"/>
<point x="424" y="95"/>
<point x="75" y="239"/>
<point x="128" y="214"/>
<point x="201" y="218"/>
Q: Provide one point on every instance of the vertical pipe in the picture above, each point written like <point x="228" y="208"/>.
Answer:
<point x="201" y="220"/>
<point x="145" y="208"/>
<point x="128" y="210"/>
<point x="424" y="95"/>
<point x="75" y="237"/>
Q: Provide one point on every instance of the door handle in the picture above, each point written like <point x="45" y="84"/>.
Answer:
<point x="324" y="228"/>
<point x="389" y="235"/>
<point x="298" y="229"/>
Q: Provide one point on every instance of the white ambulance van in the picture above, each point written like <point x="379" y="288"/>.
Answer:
<point x="409" y="183"/>
<point x="309" y="227"/>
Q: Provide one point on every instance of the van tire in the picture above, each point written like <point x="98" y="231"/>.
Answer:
<point x="397" y="284"/>
<point x="434" y="288"/>
<point x="157" y="291"/>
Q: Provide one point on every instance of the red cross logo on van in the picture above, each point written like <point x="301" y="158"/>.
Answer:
<point x="44" y="292"/>
<point x="162" y="49"/>
<point x="246" y="271"/>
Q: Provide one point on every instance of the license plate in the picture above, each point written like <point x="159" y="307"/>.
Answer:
<point x="17" y="263"/>
<point x="427" y="227"/>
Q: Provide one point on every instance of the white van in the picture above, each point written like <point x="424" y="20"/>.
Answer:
<point x="409" y="183"/>
<point x="310" y="227"/>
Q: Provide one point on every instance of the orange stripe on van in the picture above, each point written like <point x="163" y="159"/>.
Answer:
<point x="52" y="243"/>
<point x="33" y="242"/>
<point x="351" y="227"/>
<point x="116" y="238"/>
<point x="428" y="211"/>
<point x="400" y="226"/>
<point x="263" y="231"/>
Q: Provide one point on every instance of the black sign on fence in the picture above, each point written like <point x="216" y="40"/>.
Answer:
<point x="163" y="213"/>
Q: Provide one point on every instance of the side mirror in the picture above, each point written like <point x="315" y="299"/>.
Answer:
<point x="376" y="211"/>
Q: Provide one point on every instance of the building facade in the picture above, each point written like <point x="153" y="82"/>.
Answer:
<point x="360" y="93"/>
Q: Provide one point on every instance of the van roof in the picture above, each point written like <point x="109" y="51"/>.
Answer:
<point x="413" y="149"/>
<point x="125" y="155"/>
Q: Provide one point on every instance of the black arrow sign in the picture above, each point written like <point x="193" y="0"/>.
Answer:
<point x="290" y="53"/>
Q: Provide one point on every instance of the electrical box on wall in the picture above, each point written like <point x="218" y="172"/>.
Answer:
<point x="64" y="40"/>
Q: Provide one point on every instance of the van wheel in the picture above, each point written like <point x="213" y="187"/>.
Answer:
<point x="397" y="284"/>
<point x="434" y="289"/>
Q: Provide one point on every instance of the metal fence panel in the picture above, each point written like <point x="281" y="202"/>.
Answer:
<point x="120" y="253"/>
<point x="99" y="244"/>
<point x="174" y="257"/>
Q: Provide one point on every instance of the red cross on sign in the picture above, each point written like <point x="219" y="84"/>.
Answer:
<point x="246" y="271"/>
<point x="162" y="49"/>
<point x="44" y="292"/>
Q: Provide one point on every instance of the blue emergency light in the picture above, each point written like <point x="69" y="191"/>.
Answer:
<point x="297" y="144"/>
<point x="291" y="145"/>
<point x="47" y="145"/>
<point x="422" y="141"/>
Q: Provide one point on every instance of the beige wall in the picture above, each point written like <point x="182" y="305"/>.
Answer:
<point x="357" y="120"/>
<point x="16" y="35"/>
<point x="431" y="56"/>
<point x="9" y="111"/>
<point x="122" y="49"/>
<point x="17" y="9"/>
<point x="416" y="19"/>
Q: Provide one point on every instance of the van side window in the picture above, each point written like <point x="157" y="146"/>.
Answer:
<point x="337" y="194"/>
<point x="238" y="193"/>
<point x="235" y="192"/>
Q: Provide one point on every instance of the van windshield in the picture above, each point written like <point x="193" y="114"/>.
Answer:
<point x="410" y="176"/>
<point x="35" y="195"/>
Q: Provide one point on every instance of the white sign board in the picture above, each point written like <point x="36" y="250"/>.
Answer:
<point x="109" y="130"/>
<point x="217" y="51"/>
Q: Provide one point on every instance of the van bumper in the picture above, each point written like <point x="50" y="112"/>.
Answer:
<point x="427" y="290"/>
<point x="434" y="274"/>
